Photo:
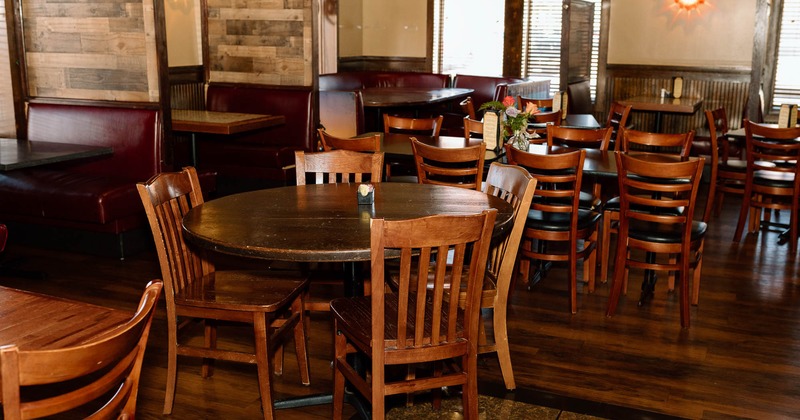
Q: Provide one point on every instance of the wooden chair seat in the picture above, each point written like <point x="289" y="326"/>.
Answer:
<point x="665" y="234"/>
<point x="560" y="222"/>
<point x="241" y="291"/>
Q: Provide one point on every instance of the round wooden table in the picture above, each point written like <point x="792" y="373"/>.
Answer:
<point x="320" y="223"/>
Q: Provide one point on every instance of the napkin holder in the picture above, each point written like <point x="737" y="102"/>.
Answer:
<point x="369" y="198"/>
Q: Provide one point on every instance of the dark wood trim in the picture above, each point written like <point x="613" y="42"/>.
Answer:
<point x="204" y="39"/>
<point x="512" y="46"/>
<point x="375" y="63"/>
<point x="186" y="74"/>
<point x="697" y="73"/>
<point x="429" y="36"/>
<point x="19" y="79"/>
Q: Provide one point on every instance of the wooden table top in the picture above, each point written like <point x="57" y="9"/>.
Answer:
<point x="573" y="121"/>
<point x="408" y="96"/>
<point x="35" y="321"/>
<point x="212" y="122"/>
<point x="399" y="145"/>
<point x="18" y="154"/>
<point x="659" y="104"/>
<point x="322" y="222"/>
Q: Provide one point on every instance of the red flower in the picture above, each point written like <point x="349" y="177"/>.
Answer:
<point x="508" y="101"/>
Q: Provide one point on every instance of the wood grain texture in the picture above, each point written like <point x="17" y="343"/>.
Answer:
<point x="738" y="359"/>
<point x="91" y="50"/>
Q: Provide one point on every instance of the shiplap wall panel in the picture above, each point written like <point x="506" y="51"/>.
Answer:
<point x="260" y="41"/>
<point x="89" y="49"/>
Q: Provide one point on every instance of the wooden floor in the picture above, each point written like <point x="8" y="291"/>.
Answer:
<point x="739" y="359"/>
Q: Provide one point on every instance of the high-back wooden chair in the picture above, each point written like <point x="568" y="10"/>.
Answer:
<point x="637" y="141"/>
<point x="556" y="217"/>
<point x="338" y="166"/>
<point x="109" y="364"/>
<point x="544" y="120"/>
<point x="618" y="115"/>
<point x="424" y="326"/>
<point x="656" y="216"/>
<point x="460" y="167"/>
<point x="468" y="107"/>
<point x="196" y="291"/>
<point x="728" y="174"/>
<point x="580" y="138"/>
<point x="772" y="178"/>
<point x="472" y="127"/>
<point x="357" y="144"/>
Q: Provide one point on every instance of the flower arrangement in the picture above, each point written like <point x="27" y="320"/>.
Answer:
<point x="515" y="122"/>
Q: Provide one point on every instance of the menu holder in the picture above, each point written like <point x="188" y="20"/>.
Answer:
<point x="492" y="129"/>
<point x="787" y="117"/>
<point x="677" y="87"/>
<point x="560" y="103"/>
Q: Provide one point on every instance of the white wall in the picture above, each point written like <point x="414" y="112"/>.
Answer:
<point x="184" y="46"/>
<point x="651" y="32"/>
<point x="383" y="28"/>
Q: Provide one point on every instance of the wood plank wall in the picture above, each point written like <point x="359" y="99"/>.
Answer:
<point x="728" y="89"/>
<point x="260" y="42"/>
<point x="90" y="49"/>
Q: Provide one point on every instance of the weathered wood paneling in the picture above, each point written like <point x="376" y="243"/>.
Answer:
<point x="260" y="41"/>
<point x="98" y="50"/>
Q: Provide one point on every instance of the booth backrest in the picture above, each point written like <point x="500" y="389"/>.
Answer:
<point x="366" y="79"/>
<point x="486" y="88"/>
<point x="579" y="98"/>
<point x="135" y="134"/>
<point x="295" y="103"/>
<point x="341" y="112"/>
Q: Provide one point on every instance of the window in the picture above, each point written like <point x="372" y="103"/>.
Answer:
<point x="468" y="37"/>
<point x="787" y="78"/>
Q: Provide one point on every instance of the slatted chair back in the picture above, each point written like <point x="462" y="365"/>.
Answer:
<point x="468" y="107"/>
<point x="579" y="137"/>
<point x="357" y="144"/>
<point x="522" y="102"/>
<point x="459" y="167"/>
<point x="109" y="364"/>
<point x="673" y="143"/>
<point x="618" y="117"/>
<point x="472" y="127"/>
<point x="423" y="126"/>
<point x="338" y="166"/>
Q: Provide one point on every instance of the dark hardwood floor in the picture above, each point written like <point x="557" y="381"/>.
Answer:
<point x="739" y="359"/>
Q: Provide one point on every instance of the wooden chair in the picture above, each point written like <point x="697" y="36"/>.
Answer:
<point x="461" y="167"/>
<point x="109" y="364"/>
<point x="472" y="126"/>
<point x="195" y="291"/>
<point x="421" y="126"/>
<point x="582" y="139"/>
<point x="772" y="179"/>
<point x="727" y="175"/>
<point x="338" y="166"/>
<point x="656" y="216"/>
<point x="546" y="119"/>
<point x="389" y="327"/>
<point x="556" y="216"/>
<point x="617" y="117"/>
<point x="633" y="140"/>
<point x="357" y="144"/>
<point x="522" y="103"/>
<point x="468" y="107"/>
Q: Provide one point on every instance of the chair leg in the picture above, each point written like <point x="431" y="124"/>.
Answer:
<point x="671" y="275"/>
<point x="620" y="268"/>
<point x="340" y="354"/>
<point x="573" y="283"/>
<point x="696" y="277"/>
<point x="605" y="247"/>
<point x="210" y="327"/>
<point x="469" y="395"/>
<point x="503" y="350"/>
<point x="301" y="339"/>
<point x="262" y="363"/>
<point x="525" y="262"/>
<point x="684" y="279"/>
<point x="277" y="360"/>
<point x="737" y="235"/>
<point x="172" y="365"/>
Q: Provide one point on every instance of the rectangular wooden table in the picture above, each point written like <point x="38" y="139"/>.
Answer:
<point x="214" y="122"/>
<point x="661" y="105"/>
<point x="36" y="321"/>
<point x="18" y="154"/>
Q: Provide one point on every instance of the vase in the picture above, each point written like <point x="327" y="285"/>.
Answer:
<point x="519" y="140"/>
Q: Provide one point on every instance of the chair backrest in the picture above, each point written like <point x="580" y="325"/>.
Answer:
<point x="717" y="121"/>
<point x="618" y="117"/>
<point x="773" y="152"/>
<point x="468" y="107"/>
<point x="341" y="113"/>
<point x="357" y="144"/>
<point x="522" y="102"/>
<point x="677" y="143"/>
<point x="167" y="197"/>
<point x="109" y="364"/>
<point x="579" y="98"/>
<point x="553" y="117"/>
<point x="599" y="138"/>
<point x="459" y="167"/>
<point x="517" y="186"/>
<point x="424" y="126"/>
<point x="472" y="126"/>
<point x="338" y="166"/>
<point x="558" y="180"/>
<point x="419" y="242"/>
<point x="649" y="184"/>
